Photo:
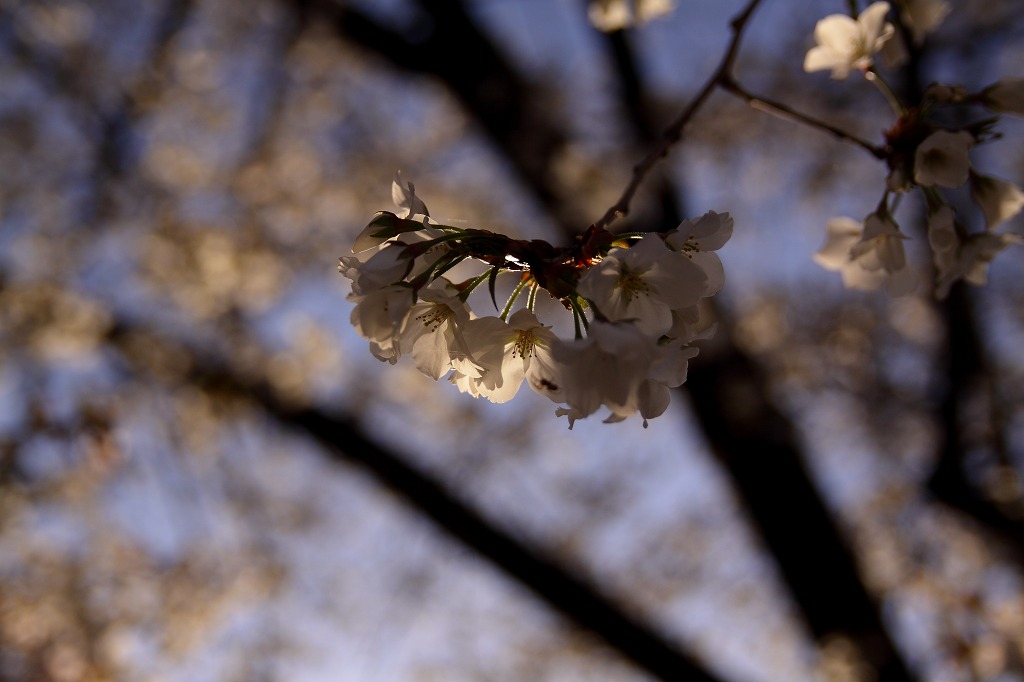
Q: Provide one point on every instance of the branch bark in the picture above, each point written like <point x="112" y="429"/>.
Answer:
<point x="344" y="441"/>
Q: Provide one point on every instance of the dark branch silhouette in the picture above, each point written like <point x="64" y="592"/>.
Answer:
<point x="345" y="441"/>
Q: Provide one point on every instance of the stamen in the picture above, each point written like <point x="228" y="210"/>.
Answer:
<point x="524" y="344"/>
<point x="633" y="286"/>
<point x="435" y="317"/>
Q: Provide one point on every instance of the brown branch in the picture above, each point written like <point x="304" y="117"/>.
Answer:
<point x="722" y="78"/>
<point x="674" y="133"/>
<point x="786" y="113"/>
<point x="344" y="441"/>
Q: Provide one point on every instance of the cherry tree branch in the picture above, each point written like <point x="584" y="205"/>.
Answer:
<point x="674" y="133"/>
<point x="722" y="78"/>
<point x="784" y="112"/>
<point x="343" y="440"/>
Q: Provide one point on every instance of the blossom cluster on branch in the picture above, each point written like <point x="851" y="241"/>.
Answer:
<point x="922" y="154"/>
<point x="633" y="300"/>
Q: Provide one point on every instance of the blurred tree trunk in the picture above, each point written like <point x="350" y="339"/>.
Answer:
<point x="571" y="595"/>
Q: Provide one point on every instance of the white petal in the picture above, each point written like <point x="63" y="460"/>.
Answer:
<point x="842" y="234"/>
<point x="820" y="58"/>
<point x="941" y="233"/>
<point x="837" y="32"/>
<point x="874" y="30"/>
<point x="942" y="159"/>
<point x="999" y="200"/>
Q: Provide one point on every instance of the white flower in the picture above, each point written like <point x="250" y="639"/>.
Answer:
<point x="420" y="229"/>
<point x="923" y="16"/>
<point x="620" y="367"/>
<point x="1006" y="96"/>
<point x="965" y="258"/>
<point x="971" y="259"/>
<point x="614" y="15"/>
<point x="404" y="196"/>
<point x="668" y="370"/>
<point x="378" y="318"/>
<point x="880" y="246"/>
<point x="845" y="44"/>
<point x="999" y="200"/>
<point x="411" y="208"/>
<point x="696" y="323"/>
<point x="507" y="353"/>
<point x="382" y="268"/>
<point x="697" y="238"/>
<point x="978" y="250"/>
<point x="432" y="332"/>
<point x="841" y="235"/>
<point x="942" y="231"/>
<point x="645" y="283"/>
<point x="941" y="159"/>
<point x="867" y="255"/>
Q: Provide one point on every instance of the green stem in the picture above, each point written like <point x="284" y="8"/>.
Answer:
<point x="512" y="299"/>
<point x="578" y="313"/>
<point x="532" y="300"/>
<point x="464" y="294"/>
<point x="576" y="322"/>
<point x="880" y="83"/>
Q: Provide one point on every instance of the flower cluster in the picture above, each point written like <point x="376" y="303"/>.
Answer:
<point x="633" y="300"/>
<point x="922" y="155"/>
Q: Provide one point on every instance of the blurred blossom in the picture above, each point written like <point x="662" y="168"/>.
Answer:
<point x="942" y="159"/>
<point x="999" y="200"/>
<point x="923" y="16"/>
<point x="846" y="44"/>
<point x="62" y="24"/>
<point x="1006" y="96"/>
<point x="614" y="15"/>
<point x="867" y="254"/>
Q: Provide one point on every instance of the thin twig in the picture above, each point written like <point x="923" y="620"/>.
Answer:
<point x="674" y="132"/>
<point x="724" y="79"/>
<point x="784" y="112"/>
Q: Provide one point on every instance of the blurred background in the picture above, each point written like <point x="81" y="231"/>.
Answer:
<point x="204" y="474"/>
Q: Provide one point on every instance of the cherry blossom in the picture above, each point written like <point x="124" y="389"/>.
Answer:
<point x="867" y="254"/>
<point x="970" y="259"/>
<point x="1006" y="96"/>
<point x="697" y="239"/>
<point x="846" y="44"/>
<point x="619" y="367"/>
<point x="962" y="257"/>
<point x="432" y="332"/>
<point x="404" y="196"/>
<point x="378" y="317"/>
<point x="644" y="283"/>
<point x="999" y="200"/>
<point x="379" y="269"/>
<point x="922" y="17"/>
<point x="508" y="353"/>
<point x="941" y="159"/>
<point x="614" y="15"/>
